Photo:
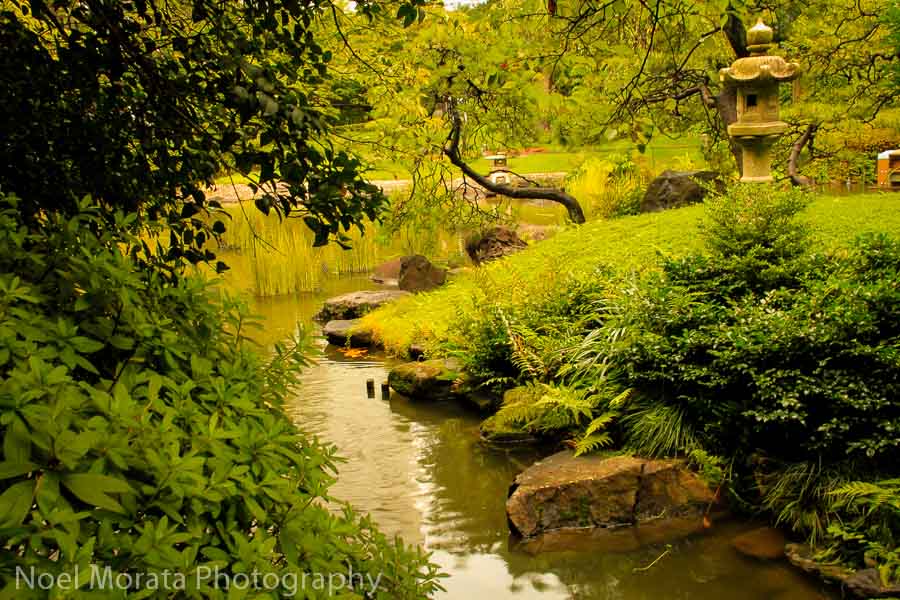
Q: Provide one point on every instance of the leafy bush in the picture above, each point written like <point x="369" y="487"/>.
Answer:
<point x="142" y="430"/>
<point x="501" y="344"/>
<point x="765" y="346"/>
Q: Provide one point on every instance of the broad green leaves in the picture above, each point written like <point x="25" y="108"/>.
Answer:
<point x="140" y="432"/>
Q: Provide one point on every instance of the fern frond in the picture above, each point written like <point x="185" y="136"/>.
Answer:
<point x="868" y="495"/>
<point x="592" y="443"/>
<point x="622" y="398"/>
<point x="600" y="422"/>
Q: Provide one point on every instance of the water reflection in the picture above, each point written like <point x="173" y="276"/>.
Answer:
<point x="419" y="470"/>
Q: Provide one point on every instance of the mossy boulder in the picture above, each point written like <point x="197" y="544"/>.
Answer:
<point x="865" y="583"/>
<point x="564" y="491"/>
<point x="438" y="379"/>
<point x="356" y="304"/>
<point x="495" y="433"/>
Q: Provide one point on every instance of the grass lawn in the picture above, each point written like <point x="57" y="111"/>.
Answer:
<point x="627" y="245"/>
<point x="661" y="153"/>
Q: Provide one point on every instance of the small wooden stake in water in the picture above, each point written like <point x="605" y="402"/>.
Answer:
<point x="385" y="391"/>
<point x="370" y="388"/>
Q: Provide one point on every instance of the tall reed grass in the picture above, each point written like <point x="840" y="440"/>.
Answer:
<point x="272" y="257"/>
<point x="609" y="188"/>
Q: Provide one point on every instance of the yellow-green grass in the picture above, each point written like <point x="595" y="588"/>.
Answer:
<point x="627" y="245"/>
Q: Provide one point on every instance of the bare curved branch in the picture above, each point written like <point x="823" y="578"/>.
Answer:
<point x="451" y="150"/>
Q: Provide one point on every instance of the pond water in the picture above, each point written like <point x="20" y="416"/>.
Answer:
<point x="419" y="470"/>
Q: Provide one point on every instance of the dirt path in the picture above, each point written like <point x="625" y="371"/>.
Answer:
<point x="228" y="193"/>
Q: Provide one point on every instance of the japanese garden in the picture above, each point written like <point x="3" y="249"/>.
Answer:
<point x="408" y="299"/>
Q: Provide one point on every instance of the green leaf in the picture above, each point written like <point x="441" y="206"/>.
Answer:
<point x="15" y="504"/>
<point x="8" y="469"/>
<point x="17" y="443"/>
<point x="94" y="489"/>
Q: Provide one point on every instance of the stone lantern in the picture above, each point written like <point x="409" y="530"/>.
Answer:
<point x="499" y="172"/>
<point x="756" y="78"/>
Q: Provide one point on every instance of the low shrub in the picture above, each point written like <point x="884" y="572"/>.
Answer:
<point x="770" y="347"/>
<point x="143" y="432"/>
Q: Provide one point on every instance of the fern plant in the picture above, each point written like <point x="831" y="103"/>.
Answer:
<point x="551" y="409"/>
<point x="657" y="429"/>
<point x="869" y="526"/>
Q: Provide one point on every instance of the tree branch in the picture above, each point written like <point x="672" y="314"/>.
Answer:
<point x="451" y="150"/>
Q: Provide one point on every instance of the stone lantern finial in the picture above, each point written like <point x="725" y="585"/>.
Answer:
<point x="756" y="78"/>
<point x="759" y="38"/>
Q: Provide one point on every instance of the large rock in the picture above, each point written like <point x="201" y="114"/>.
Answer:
<point x="673" y="189"/>
<point x="388" y="272"/>
<point x="417" y="274"/>
<point x="356" y="304"/>
<point x="427" y="380"/>
<point x="563" y="491"/>
<point x="495" y="434"/>
<point x="494" y="243"/>
<point x="344" y="332"/>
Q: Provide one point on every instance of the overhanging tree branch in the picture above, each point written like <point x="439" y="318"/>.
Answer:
<point x="451" y="150"/>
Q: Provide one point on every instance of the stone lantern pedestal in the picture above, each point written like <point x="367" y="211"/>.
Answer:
<point x="756" y="78"/>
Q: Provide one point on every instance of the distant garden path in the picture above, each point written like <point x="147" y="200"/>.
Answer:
<point x="232" y="193"/>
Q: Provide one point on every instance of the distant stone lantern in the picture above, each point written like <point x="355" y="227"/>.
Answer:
<point x="499" y="172"/>
<point x="756" y="78"/>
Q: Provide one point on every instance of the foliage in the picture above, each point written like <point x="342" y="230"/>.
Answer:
<point x="853" y="521"/>
<point x="768" y="348"/>
<point x="143" y="431"/>
<point x="142" y="104"/>
<point x="550" y="409"/>
<point x="760" y="356"/>
<point x="622" y="246"/>
<point x="608" y="188"/>
<point x="869" y="530"/>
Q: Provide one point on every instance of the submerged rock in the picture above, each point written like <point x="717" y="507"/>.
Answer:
<point x="342" y="332"/>
<point x="673" y="189"/>
<point x="417" y="274"/>
<point x="563" y="491"/>
<point x="865" y="583"/>
<point x="494" y="243"/>
<point x="765" y="543"/>
<point x="427" y="380"/>
<point x="356" y="304"/>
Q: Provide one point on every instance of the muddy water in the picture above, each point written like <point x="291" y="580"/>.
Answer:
<point x="419" y="471"/>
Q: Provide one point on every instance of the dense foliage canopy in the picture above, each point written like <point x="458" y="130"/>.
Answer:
<point x="143" y="432"/>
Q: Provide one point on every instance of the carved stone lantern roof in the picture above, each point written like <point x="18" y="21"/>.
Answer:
<point x="759" y="67"/>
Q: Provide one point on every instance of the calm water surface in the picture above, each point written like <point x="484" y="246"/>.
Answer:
<point x="420" y="472"/>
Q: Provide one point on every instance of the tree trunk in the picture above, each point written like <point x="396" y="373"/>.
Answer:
<point x="726" y="106"/>
<point x="807" y="137"/>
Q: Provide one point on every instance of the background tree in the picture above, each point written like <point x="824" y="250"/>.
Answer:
<point x="142" y="430"/>
<point x="141" y="104"/>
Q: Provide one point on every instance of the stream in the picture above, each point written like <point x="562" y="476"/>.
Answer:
<point x="419" y="470"/>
